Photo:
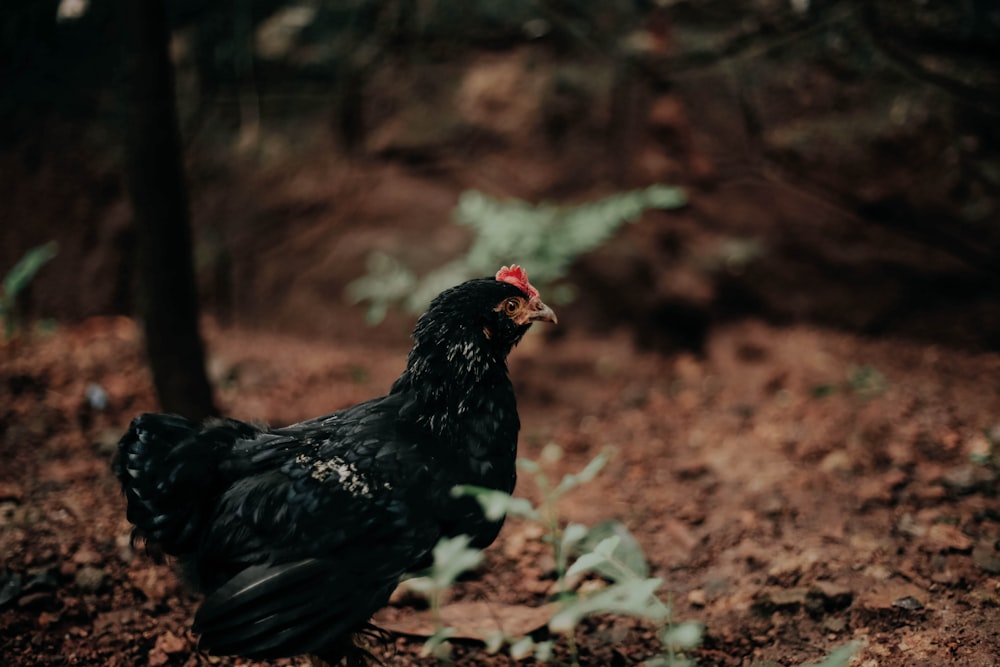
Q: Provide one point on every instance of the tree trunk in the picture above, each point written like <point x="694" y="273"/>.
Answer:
<point x="167" y="299"/>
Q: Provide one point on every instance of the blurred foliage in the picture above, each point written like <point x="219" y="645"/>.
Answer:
<point x="864" y="381"/>
<point x="18" y="279"/>
<point x="452" y="557"/>
<point x="607" y="550"/>
<point x="544" y="238"/>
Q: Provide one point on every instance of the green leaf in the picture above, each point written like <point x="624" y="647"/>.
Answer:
<point x="585" y="563"/>
<point x="522" y="648"/>
<point x="588" y="473"/>
<point x="497" y="504"/>
<point x="386" y="282"/>
<point x="494" y="642"/>
<point x="543" y="650"/>
<point x="607" y="546"/>
<point x="572" y="534"/>
<point x="551" y="453"/>
<point x="424" y="586"/>
<point x="528" y="466"/>
<point x="682" y="636"/>
<point x="633" y="598"/>
<point x="437" y="644"/>
<point x="452" y="557"/>
<point x="21" y="274"/>
<point x="866" y="381"/>
<point x="544" y="237"/>
<point x="627" y="561"/>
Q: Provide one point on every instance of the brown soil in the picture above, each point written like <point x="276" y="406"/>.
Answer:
<point x="795" y="488"/>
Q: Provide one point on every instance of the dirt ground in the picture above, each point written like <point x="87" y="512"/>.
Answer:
<point x="795" y="488"/>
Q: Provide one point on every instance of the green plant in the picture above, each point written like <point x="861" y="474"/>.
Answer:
<point x="607" y="549"/>
<point x="864" y="381"/>
<point x="545" y="238"/>
<point x="452" y="557"/>
<point x="18" y="278"/>
<point x="990" y="458"/>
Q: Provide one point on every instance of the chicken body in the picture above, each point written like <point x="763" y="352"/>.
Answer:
<point x="297" y="535"/>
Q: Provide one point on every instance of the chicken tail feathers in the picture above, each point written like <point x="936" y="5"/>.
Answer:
<point x="168" y="466"/>
<point x="311" y="606"/>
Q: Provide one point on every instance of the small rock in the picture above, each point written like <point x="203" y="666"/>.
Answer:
<point x="836" y="461"/>
<point x="909" y="603"/>
<point x="45" y="619"/>
<point x="89" y="579"/>
<point x="96" y="396"/>
<point x="834" y="623"/>
<point x="697" y="598"/>
<point x="889" y="598"/>
<point x="106" y="443"/>
<point x="987" y="593"/>
<point x="969" y="478"/>
<point x="986" y="556"/>
<point x="910" y="526"/>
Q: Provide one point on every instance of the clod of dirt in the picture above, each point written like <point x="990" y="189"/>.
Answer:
<point x="890" y="599"/>
<point x="89" y="579"/>
<point x="987" y="557"/>
<point x="10" y="491"/>
<point x="943" y="537"/>
<point x="969" y="478"/>
<point x="779" y="599"/>
<point x="825" y="596"/>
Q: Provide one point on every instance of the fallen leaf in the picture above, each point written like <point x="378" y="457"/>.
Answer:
<point x="987" y="557"/>
<point x="473" y="620"/>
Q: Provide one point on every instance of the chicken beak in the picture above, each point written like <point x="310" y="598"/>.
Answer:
<point x="540" y="312"/>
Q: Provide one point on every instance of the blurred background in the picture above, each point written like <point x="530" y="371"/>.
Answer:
<point x="770" y="230"/>
<point x="841" y="160"/>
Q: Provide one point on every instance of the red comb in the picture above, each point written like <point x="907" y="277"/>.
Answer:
<point x="517" y="277"/>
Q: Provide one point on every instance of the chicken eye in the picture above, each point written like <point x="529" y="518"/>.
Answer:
<point x="511" y="306"/>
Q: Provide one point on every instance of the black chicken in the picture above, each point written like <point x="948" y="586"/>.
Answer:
<point x="297" y="535"/>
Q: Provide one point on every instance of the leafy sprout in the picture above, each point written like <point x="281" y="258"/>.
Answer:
<point x="18" y="279"/>
<point x="607" y="549"/>
<point x="452" y="557"/>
